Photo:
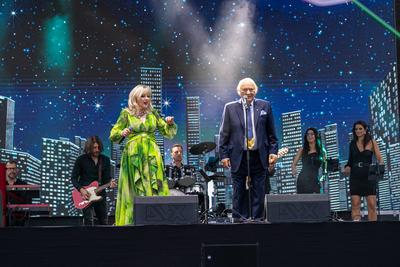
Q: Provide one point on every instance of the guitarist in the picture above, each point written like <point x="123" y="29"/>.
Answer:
<point x="89" y="167"/>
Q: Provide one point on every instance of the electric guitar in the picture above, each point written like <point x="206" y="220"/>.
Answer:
<point x="94" y="189"/>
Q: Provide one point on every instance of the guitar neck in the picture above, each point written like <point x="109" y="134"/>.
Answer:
<point x="101" y="188"/>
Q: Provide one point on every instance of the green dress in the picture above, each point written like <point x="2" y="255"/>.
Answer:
<point x="142" y="169"/>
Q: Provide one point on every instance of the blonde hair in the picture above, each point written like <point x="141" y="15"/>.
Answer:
<point x="138" y="91"/>
<point x="246" y="80"/>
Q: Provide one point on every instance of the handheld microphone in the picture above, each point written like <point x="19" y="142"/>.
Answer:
<point x="123" y="137"/>
<point x="244" y="101"/>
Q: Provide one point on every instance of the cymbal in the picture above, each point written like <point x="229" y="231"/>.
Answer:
<point x="203" y="147"/>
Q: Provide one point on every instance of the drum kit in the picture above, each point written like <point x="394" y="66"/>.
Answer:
<point x="180" y="177"/>
<point x="183" y="181"/>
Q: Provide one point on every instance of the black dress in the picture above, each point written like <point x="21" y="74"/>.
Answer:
<point x="359" y="163"/>
<point x="307" y="182"/>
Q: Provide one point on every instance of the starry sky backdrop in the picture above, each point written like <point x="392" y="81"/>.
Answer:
<point x="70" y="65"/>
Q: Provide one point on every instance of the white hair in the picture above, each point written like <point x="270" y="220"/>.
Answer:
<point x="246" y="81"/>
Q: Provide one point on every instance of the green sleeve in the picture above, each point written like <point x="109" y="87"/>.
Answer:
<point x="169" y="131"/>
<point x="121" y="124"/>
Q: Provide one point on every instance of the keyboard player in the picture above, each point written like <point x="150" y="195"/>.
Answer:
<point x="16" y="197"/>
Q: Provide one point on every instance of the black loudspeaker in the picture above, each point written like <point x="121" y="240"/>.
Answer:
<point x="229" y="255"/>
<point x="166" y="210"/>
<point x="297" y="208"/>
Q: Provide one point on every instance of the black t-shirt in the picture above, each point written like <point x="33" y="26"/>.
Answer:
<point x="86" y="171"/>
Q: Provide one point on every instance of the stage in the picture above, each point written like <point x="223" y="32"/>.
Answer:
<point x="285" y="244"/>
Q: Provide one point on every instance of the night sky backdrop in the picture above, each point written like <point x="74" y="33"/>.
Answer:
<point x="70" y="65"/>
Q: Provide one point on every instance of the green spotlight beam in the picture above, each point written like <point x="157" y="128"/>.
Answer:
<point x="58" y="42"/>
<point x="376" y="18"/>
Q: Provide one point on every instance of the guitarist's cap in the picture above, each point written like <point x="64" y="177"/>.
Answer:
<point x="90" y="142"/>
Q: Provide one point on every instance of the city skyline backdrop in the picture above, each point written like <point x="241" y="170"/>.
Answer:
<point x="69" y="66"/>
<point x="310" y="60"/>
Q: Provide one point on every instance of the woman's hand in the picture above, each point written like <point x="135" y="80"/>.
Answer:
<point x="169" y="120"/>
<point x="125" y="132"/>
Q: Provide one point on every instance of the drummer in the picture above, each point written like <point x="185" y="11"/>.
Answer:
<point x="177" y="156"/>
<point x="179" y="176"/>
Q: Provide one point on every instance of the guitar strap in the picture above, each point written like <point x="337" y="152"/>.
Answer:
<point x="100" y="167"/>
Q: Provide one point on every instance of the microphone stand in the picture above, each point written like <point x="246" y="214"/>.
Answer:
<point x="202" y="163"/>
<point x="248" y="178"/>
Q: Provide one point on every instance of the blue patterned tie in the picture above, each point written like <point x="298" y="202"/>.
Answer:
<point x="250" y="141"/>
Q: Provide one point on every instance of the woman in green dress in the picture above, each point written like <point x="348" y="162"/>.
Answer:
<point x="142" y="169"/>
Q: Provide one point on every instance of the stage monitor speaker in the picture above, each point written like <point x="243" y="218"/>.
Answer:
<point x="297" y="208"/>
<point x="157" y="210"/>
<point x="229" y="255"/>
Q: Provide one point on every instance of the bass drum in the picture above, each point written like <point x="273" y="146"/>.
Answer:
<point x="197" y="189"/>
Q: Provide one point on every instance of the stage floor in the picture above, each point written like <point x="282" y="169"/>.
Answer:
<point x="285" y="244"/>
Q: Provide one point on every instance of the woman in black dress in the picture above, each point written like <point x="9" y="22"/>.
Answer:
<point x="313" y="156"/>
<point x="361" y="150"/>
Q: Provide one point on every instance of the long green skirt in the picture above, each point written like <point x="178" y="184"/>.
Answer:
<point x="141" y="174"/>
